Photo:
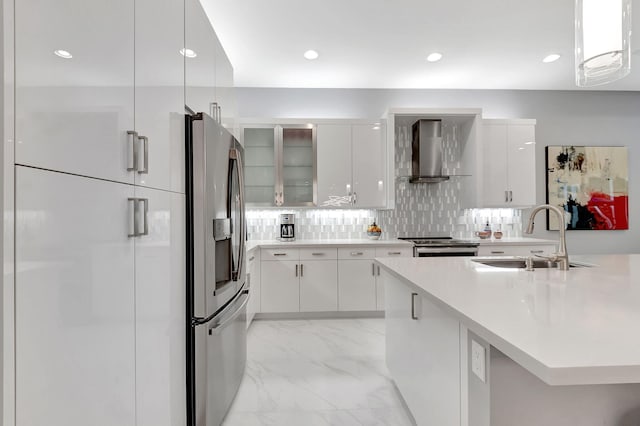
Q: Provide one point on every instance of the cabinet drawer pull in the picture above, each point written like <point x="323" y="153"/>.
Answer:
<point x="413" y="306"/>
<point x="301" y="270"/>
<point x="373" y="269"/>
<point x="136" y="217"/>
<point x="378" y="271"/>
<point x="145" y="158"/>
<point x="537" y="251"/>
<point x="506" y="196"/>
<point x="317" y="254"/>
<point x="279" y="254"/>
<point x="251" y="258"/>
<point x="356" y="253"/>
<point x="497" y="252"/>
<point x="510" y="196"/>
<point x="394" y="253"/>
<point x="296" y="270"/>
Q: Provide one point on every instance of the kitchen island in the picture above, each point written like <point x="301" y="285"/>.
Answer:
<point x="549" y="346"/>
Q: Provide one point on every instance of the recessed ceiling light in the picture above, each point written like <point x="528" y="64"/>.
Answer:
<point x="551" y="58"/>
<point x="311" y="55"/>
<point x="63" y="54"/>
<point x="434" y="57"/>
<point x="188" y="53"/>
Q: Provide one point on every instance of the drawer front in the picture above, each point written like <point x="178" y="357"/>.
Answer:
<point x="394" y="251"/>
<point x="318" y="253"/>
<point x="280" y="254"/>
<point x="544" y="250"/>
<point x="356" y="253"/>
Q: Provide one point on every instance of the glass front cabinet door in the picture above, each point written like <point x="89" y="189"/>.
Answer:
<point x="280" y="165"/>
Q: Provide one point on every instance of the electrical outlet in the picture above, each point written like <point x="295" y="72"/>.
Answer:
<point x="478" y="360"/>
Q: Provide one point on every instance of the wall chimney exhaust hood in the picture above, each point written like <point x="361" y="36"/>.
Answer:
<point x="426" y="152"/>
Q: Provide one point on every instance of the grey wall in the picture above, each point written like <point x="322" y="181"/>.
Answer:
<point x="564" y="117"/>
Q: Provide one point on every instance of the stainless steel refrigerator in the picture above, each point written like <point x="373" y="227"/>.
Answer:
<point x="216" y="292"/>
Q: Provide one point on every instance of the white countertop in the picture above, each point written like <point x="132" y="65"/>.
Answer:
<point x="335" y="243"/>
<point x="565" y="327"/>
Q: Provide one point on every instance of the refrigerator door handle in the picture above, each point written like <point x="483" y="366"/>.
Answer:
<point x="234" y="155"/>
<point x="216" y="329"/>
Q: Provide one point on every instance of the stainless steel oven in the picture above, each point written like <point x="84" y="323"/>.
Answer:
<point x="442" y="247"/>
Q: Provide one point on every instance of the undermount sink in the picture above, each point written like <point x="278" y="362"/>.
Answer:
<point x="520" y="263"/>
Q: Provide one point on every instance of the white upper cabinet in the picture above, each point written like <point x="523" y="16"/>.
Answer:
<point x="200" y="59"/>
<point x="159" y="93"/>
<point x="508" y="163"/>
<point x="334" y="165"/>
<point x="73" y="114"/>
<point x="367" y="144"/>
<point x="351" y="170"/>
<point x="208" y="71"/>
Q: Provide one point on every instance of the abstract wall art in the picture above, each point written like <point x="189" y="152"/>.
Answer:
<point x="591" y="184"/>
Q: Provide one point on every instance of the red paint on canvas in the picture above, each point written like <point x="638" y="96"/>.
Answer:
<point x="609" y="212"/>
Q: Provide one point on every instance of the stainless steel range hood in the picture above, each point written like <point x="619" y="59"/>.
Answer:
<point x="426" y="152"/>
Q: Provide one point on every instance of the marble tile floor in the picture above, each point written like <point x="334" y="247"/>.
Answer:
<point x="317" y="372"/>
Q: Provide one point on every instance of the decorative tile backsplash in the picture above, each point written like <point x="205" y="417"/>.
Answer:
<point x="421" y="209"/>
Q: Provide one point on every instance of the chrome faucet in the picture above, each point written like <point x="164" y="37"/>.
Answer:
<point x="561" y="257"/>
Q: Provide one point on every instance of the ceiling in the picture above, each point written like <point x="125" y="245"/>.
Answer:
<point x="489" y="44"/>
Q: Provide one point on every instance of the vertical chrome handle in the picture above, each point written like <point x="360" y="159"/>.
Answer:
<point x="235" y="156"/>
<point x="145" y="158"/>
<point x="373" y="269"/>
<point x="301" y="270"/>
<point x="219" y="114"/>
<point x="275" y="198"/>
<point x="296" y="270"/>
<point x="355" y="197"/>
<point x="213" y="110"/>
<point x="506" y="196"/>
<point x="378" y="271"/>
<point x="511" y="196"/>
<point x="281" y="199"/>
<point x="413" y="306"/>
<point x="133" y="140"/>
<point x="135" y="217"/>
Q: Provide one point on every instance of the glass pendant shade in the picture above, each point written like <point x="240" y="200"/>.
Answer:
<point x="603" y="41"/>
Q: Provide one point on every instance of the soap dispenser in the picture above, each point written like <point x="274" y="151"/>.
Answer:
<point x="487" y="229"/>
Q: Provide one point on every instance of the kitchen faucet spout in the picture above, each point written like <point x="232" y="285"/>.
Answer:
<point x="562" y="257"/>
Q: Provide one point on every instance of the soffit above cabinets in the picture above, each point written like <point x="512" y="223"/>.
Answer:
<point x="493" y="44"/>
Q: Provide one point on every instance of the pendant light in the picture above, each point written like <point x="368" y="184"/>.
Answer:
<point x="603" y="35"/>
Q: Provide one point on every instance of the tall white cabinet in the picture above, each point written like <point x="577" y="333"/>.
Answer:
<point x="100" y="207"/>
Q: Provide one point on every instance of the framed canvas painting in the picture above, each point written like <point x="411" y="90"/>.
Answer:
<point x="591" y="184"/>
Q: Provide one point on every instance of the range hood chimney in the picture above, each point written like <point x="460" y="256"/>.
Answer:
<point x="426" y="152"/>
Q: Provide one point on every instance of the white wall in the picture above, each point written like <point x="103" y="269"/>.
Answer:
<point x="564" y="118"/>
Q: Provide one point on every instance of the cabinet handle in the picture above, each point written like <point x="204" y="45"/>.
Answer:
<point x="296" y="270"/>
<point x="317" y="254"/>
<point x="510" y="196"/>
<point x="302" y="270"/>
<point x="506" y="196"/>
<point x="355" y="197"/>
<point x="413" y="306"/>
<point x="251" y="258"/>
<point x="378" y="271"/>
<point x="356" y="253"/>
<point x="497" y="252"/>
<point x="279" y="254"/>
<point x="373" y="269"/>
<point x="145" y="158"/>
<point x="133" y="139"/>
<point x="394" y="253"/>
<point x="219" y="114"/>
<point x="537" y="251"/>
<point x="213" y="110"/>
<point x="136" y="217"/>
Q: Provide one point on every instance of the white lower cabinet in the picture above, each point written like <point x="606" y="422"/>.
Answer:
<point x="357" y="279"/>
<point x="516" y="250"/>
<point x="99" y="315"/>
<point x="423" y="354"/>
<point x="75" y="311"/>
<point x="280" y="286"/>
<point x="318" y="285"/>
<point x="253" y="269"/>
